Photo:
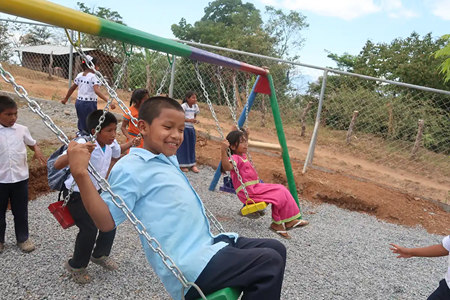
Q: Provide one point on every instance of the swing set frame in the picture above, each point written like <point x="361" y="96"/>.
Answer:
<point x="57" y="15"/>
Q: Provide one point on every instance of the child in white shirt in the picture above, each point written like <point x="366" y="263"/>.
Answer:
<point x="14" y="172"/>
<point x="88" y="89"/>
<point x="443" y="291"/>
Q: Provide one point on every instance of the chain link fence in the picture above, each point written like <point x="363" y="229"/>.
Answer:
<point x="400" y="127"/>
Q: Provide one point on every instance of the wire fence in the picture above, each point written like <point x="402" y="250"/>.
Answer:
<point x="397" y="126"/>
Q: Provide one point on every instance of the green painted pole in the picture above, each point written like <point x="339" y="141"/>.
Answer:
<point x="282" y="141"/>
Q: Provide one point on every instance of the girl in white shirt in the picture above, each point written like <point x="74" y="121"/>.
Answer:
<point x="89" y="89"/>
<point x="186" y="152"/>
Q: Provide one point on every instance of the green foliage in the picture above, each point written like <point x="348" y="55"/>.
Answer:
<point x="37" y="35"/>
<point x="444" y="53"/>
<point x="5" y="47"/>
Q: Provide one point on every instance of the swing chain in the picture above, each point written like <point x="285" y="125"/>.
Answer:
<point x="214" y="221"/>
<point x="233" y="112"/>
<point x="163" y="82"/>
<point x="168" y="262"/>
<point x="219" y="129"/>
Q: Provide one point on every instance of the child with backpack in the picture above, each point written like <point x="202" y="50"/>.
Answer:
<point x="103" y="150"/>
<point x="88" y="90"/>
<point x="14" y="172"/>
<point x="154" y="188"/>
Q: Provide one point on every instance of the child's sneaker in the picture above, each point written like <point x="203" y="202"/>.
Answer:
<point x="80" y="275"/>
<point x="106" y="262"/>
<point x="26" y="246"/>
<point x="2" y="247"/>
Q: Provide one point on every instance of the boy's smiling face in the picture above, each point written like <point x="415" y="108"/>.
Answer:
<point x="165" y="134"/>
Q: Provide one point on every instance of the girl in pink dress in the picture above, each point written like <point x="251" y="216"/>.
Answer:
<point x="285" y="212"/>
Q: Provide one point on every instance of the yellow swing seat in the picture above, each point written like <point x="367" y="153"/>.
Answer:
<point x="252" y="208"/>
<point x="224" y="294"/>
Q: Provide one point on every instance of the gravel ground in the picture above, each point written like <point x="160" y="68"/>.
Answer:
<point x="340" y="255"/>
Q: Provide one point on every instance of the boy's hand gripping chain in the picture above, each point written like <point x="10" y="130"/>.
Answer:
<point x="140" y="228"/>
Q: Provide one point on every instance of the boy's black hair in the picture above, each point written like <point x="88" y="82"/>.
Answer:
<point x="93" y="119"/>
<point x="234" y="138"/>
<point x="188" y="95"/>
<point x="6" y="103"/>
<point x="151" y="109"/>
<point x="138" y="95"/>
<point x="84" y="66"/>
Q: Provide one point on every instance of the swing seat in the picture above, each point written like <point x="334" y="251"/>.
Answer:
<point x="224" y="294"/>
<point x="252" y="208"/>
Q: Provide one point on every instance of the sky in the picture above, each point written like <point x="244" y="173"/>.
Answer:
<point x="335" y="25"/>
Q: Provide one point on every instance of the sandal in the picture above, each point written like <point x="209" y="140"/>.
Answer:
<point x="283" y="233"/>
<point x="300" y="223"/>
<point x="195" y="170"/>
<point x="80" y="275"/>
<point x="105" y="262"/>
<point x="185" y="170"/>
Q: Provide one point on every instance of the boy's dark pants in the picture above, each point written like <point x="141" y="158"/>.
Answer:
<point x="254" y="265"/>
<point x="87" y="236"/>
<point x="17" y="193"/>
<point x="442" y="292"/>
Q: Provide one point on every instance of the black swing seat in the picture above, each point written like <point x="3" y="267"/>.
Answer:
<point x="224" y="294"/>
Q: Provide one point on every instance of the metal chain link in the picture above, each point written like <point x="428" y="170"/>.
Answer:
<point x="163" y="82"/>
<point x="117" y="200"/>
<point x="219" y="129"/>
<point x="233" y="112"/>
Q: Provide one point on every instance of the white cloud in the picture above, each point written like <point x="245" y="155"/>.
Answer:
<point x="441" y="8"/>
<point x="347" y="9"/>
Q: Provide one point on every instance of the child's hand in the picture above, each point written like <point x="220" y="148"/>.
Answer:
<point x="64" y="101"/>
<point x="113" y="106"/>
<point x="136" y="141"/>
<point x="79" y="156"/>
<point x="196" y="121"/>
<point x="39" y="157"/>
<point x="225" y="145"/>
<point x="402" y="251"/>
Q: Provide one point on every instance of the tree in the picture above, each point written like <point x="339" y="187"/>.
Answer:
<point x="444" y="53"/>
<point x="37" y="35"/>
<point x="286" y="30"/>
<point x="5" y="48"/>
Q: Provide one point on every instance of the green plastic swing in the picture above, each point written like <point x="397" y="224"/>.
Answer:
<point x="224" y="294"/>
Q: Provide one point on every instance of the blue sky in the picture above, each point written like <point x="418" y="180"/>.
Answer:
<point x="336" y="25"/>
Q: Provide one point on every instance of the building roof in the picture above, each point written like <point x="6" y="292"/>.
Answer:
<point x="48" y="49"/>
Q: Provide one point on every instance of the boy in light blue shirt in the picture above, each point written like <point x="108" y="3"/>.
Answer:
<point x="152" y="185"/>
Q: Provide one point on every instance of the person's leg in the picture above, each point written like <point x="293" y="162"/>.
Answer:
<point x="4" y="197"/>
<point x="18" y="195"/>
<point x="193" y="157"/>
<point x="87" y="233"/>
<point x="442" y="292"/>
<point x="253" y="265"/>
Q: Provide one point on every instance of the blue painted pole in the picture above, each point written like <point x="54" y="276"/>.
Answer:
<point x="241" y="122"/>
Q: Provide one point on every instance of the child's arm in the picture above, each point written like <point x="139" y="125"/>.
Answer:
<point x="133" y="142"/>
<point x="226" y="164"/>
<point x="103" y="96"/>
<point x="79" y="156"/>
<point x="430" y="251"/>
<point x="69" y="93"/>
<point x="63" y="161"/>
<point x="125" y="124"/>
<point x="38" y="153"/>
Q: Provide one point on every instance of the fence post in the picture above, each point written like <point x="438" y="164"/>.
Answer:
<point x="70" y="62"/>
<point x="350" y="128"/>
<point x="305" y="112"/>
<point x="172" y="76"/>
<point x="312" y="145"/>
<point x="418" y="139"/>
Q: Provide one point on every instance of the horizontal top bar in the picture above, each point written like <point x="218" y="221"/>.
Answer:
<point x="58" y="15"/>
<point x="407" y="85"/>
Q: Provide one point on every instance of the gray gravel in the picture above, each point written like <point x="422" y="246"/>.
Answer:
<point x="340" y="255"/>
